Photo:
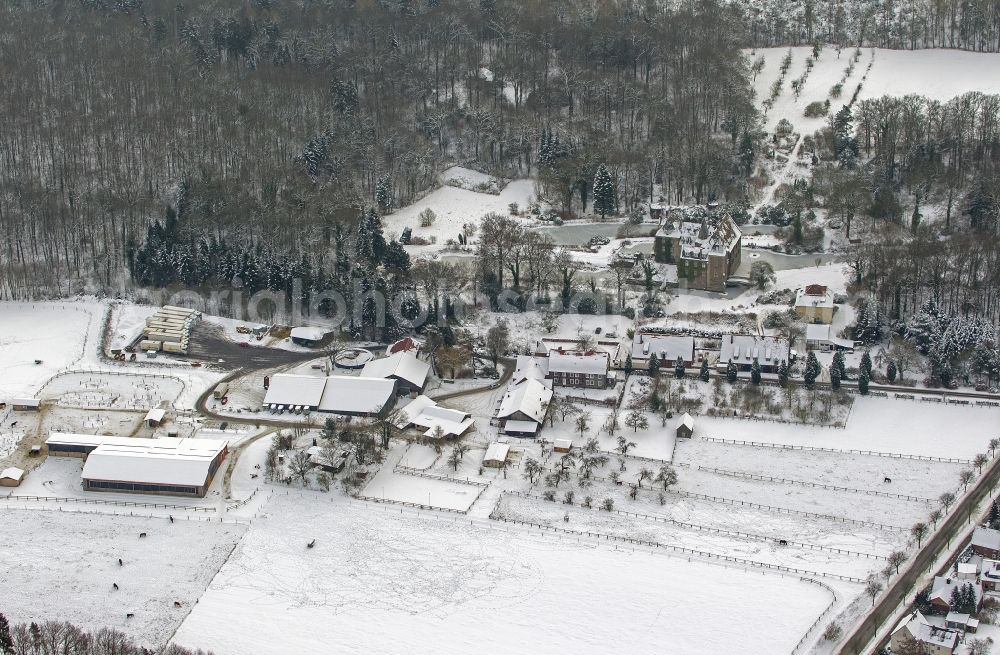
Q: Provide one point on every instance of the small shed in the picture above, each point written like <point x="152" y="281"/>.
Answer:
<point x="25" y="404"/>
<point x="11" y="477"/>
<point x="562" y="445"/>
<point x="496" y="455"/>
<point x="154" y="418"/>
<point x="685" y="426"/>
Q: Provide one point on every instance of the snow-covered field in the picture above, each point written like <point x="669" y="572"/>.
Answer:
<point x="938" y="74"/>
<point x="891" y="425"/>
<point x="454" y="207"/>
<point x="383" y="581"/>
<point x="55" y="334"/>
<point x="402" y="488"/>
<point x="62" y="565"/>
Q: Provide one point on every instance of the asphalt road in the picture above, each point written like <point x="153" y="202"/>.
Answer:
<point x="887" y="604"/>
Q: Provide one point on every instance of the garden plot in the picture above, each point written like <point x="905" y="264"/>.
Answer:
<point x="381" y="581"/>
<point x="880" y="424"/>
<point x="919" y="478"/>
<point x="764" y="551"/>
<point x="135" y="392"/>
<point x="61" y="566"/>
<point x="418" y="456"/>
<point x="418" y="490"/>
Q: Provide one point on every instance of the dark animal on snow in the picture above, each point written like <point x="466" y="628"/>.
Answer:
<point x="120" y="562"/>
<point x="888" y="480"/>
<point x="177" y="603"/>
<point x="115" y="585"/>
<point x="171" y="519"/>
<point x="782" y="542"/>
<point x="142" y="535"/>
<point x="129" y="615"/>
<point x="311" y="544"/>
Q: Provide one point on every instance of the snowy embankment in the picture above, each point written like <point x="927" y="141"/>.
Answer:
<point x="381" y="581"/>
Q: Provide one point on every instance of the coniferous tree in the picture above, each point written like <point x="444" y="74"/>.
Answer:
<point x="679" y="367"/>
<point x="383" y="193"/>
<point x="813" y="369"/>
<point x="866" y="364"/>
<point x="604" y="192"/>
<point x="654" y="365"/>
<point x="891" y="371"/>
<point x="732" y="373"/>
<point x="755" y="371"/>
<point x="834" y="378"/>
<point x="704" y="373"/>
<point x="6" y="640"/>
<point x="840" y="363"/>
<point x="863" y="383"/>
<point x="628" y="364"/>
<point x="783" y="373"/>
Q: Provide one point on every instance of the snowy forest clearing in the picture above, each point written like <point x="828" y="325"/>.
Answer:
<point x="77" y="555"/>
<point x="938" y="74"/>
<point x="465" y="586"/>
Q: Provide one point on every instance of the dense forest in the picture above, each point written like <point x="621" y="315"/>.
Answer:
<point x="966" y="24"/>
<point x="266" y="123"/>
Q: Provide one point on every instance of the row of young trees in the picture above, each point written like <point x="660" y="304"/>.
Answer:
<point x="277" y="120"/>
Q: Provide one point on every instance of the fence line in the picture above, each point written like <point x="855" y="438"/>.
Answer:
<point x="818" y="485"/>
<point x="785" y="510"/>
<point x="722" y="531"/>
<point x="680" y="549"/>
<point x="373" y="499"/>
<point x="406" y="470"/>
<point x="819" y="618"/>
<point x="843" y="451"/>
<point x="119" y="503"/>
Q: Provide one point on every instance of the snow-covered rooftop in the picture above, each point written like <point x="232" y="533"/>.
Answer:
<point x="344" y="394"/>
<point x="403" y="365"/>
<point x="12" y="473"/>
<point x="702" y="235"/>
<point x="528" y="397"/>
<point x="528" y="367"/>
<point x="424" y="412"/>
<point x="156" y="415"/>
<point x="339" y="394"/>
<point x="578" y="363"/>
<point x="744" y="349"/>
<point x="664" y="346"/>
<point x="165" y="460"/>
<point x="295" y="390"/>
<point x="308" y="333"/>
<point x="814" y="295"/>
<point x="496" y="452"/>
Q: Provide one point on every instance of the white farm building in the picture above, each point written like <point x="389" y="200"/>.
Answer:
<point x="424" y="413"/>
<point x="336" y="394"/>
<point x="167" y="465"/>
